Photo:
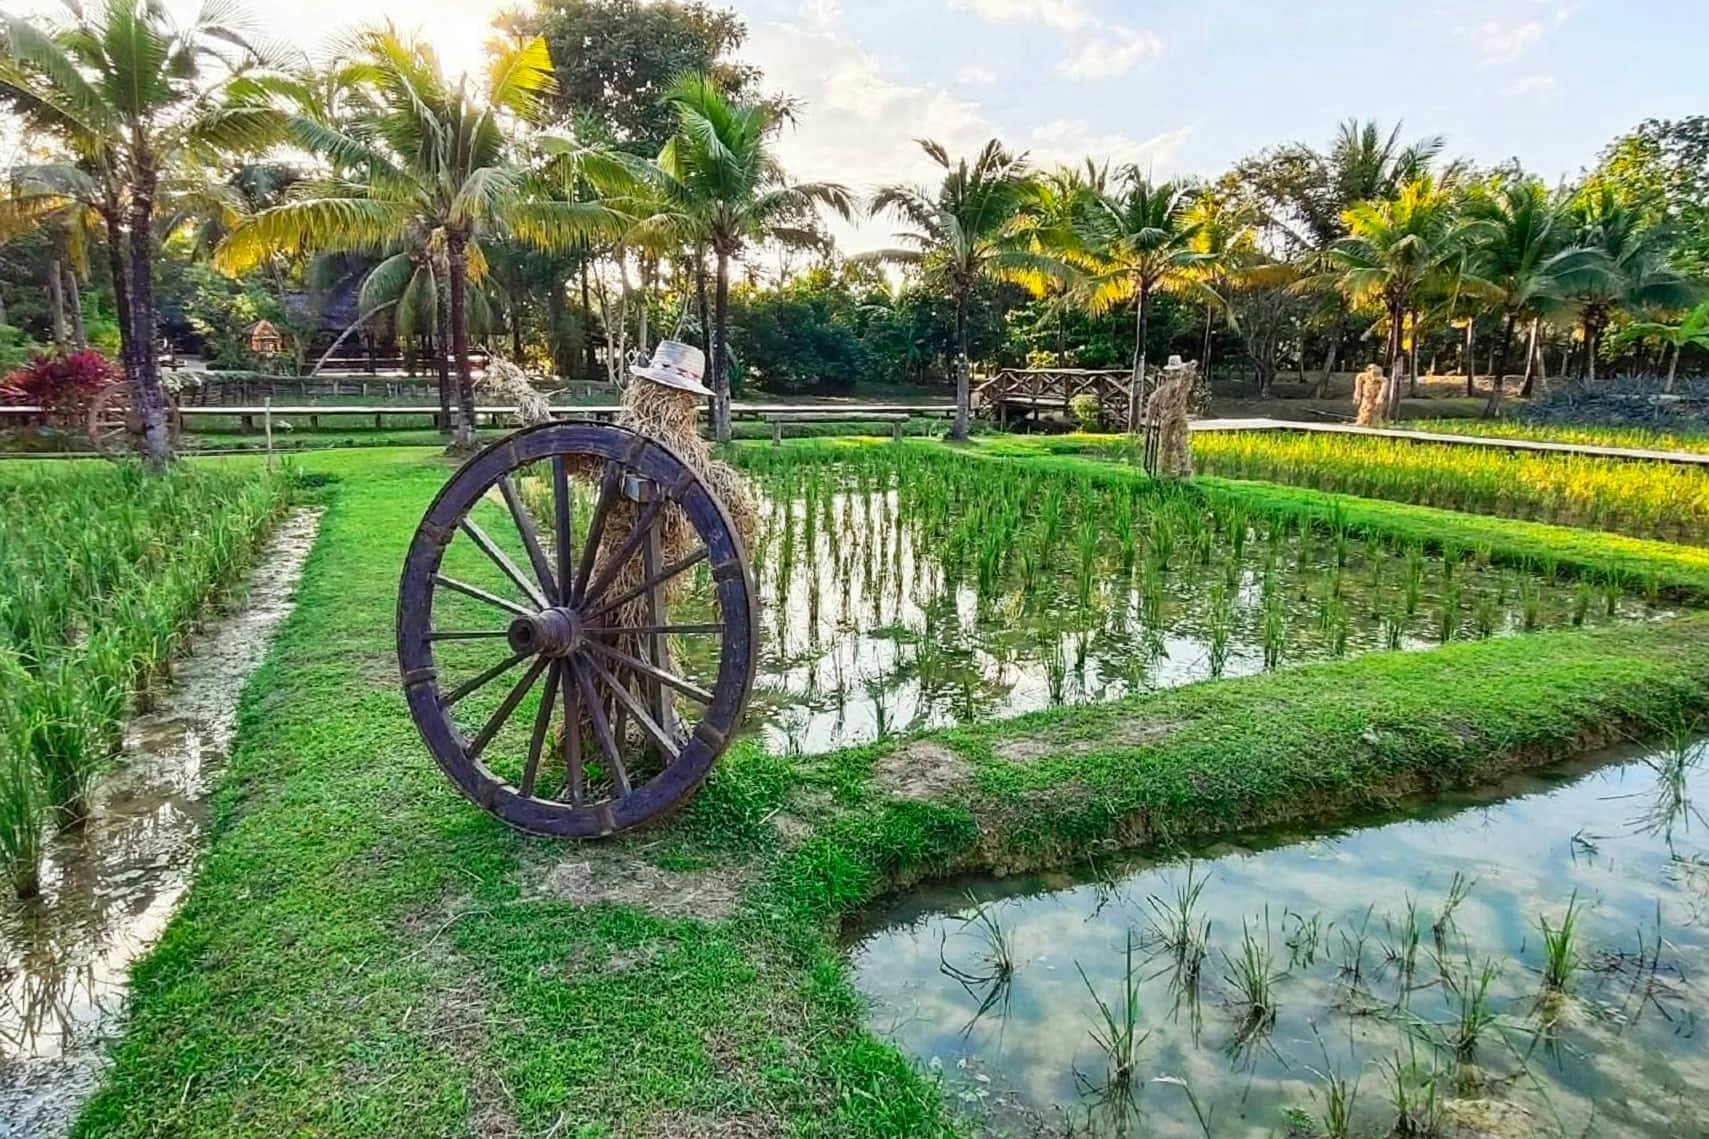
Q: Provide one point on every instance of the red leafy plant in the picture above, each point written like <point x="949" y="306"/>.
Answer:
<point x="63" y="385"/>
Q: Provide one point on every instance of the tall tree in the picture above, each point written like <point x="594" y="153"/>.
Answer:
<point x="1518" y="255"/>
<point x="430" y="170"/>
<point x="719" y="182"/>
<point x="1691" y="330"/>
<point x="1396" y="251"/>
<point x="1662" y="168"/>
<point x="1138" y="239"/>
<point x="131" y="93"/>
<point x="1627" y="269"/>
<point x="974" y="227"/>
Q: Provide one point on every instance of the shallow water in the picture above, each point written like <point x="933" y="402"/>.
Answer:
<point x="1621" y="1054"/>
<point x="110" y="887"/>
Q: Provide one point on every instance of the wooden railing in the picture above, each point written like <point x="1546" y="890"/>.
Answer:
<point x="1024" y="391"/>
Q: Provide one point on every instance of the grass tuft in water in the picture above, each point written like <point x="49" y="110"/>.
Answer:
<point x="1116" y="1030"/>
<point x="1560" y="948"/>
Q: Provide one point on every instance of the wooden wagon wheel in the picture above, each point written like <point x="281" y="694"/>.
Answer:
<point x="115" y="425"/>
<point x="539" y="693"/>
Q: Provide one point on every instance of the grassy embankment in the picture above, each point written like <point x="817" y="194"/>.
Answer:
<point x="102" y="568"/>
<point x="363" y="954"/>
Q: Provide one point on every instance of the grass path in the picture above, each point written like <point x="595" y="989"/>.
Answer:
<point x="363" y="954"/>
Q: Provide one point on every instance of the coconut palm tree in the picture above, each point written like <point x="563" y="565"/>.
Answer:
<point x="1627" y="270"/>
<point x="1518" y="257"/>
<point x="718" y="183"/>
<point x="129" y="94"/>
<point x="1691" y="330"/>
<point x="974" y="227"/>
<point x="424" y="169"/>
<point x="1397" y="251"/>
<point x="1225" y="236"/>
<point x="1139" y="238"/>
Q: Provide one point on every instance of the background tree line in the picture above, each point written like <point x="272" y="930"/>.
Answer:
<point x="612" y="179"/>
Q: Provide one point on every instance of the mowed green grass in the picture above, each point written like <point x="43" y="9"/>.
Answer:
<point x="363" y="954"/>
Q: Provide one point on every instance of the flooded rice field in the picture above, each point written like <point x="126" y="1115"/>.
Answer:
<point x="110" y="886"/>
<point x="901" y="592"/>
<point x="1524" y="961"/>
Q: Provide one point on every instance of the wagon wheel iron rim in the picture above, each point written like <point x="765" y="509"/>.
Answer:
<point x="548" y="602"/>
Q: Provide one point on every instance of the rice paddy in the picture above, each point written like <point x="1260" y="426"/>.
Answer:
<point x="105" y="568"/>
<point x="1635" y="438"/>
<point x="906" y="588"/>
<point x="1524" y="961"/>
<point x="1644" y="499"/>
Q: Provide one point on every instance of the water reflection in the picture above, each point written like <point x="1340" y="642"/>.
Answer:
<point x="110" y="887"/>
<point x="1399" y="968"/>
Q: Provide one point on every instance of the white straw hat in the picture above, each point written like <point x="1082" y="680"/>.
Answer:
<point x="676" y="365"/>
<point x="1174" y="365"/>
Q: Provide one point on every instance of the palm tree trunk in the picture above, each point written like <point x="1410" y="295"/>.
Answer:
<point x="516" y="325"/>
<point x="1499" y="379"/>
<point x="1672" y="368"/>
<point x="1531" y="359"/>
<point x="74" y="305"/>
<point x="1469" y="360"/>
<point x="146" y="396"/>
<point x="721" y="350"/>
<point x="702" y="304"/>
<point x="459" y="274"/>
<point x="590" y="357"/>
<point x="1205" y="349"/>
<point x="963" y="382"/>
<point x="1136" y="387"/>
<point x="1397" y="315"/>
<point x="1412" y="379"/>
<point x="56" y="305"/>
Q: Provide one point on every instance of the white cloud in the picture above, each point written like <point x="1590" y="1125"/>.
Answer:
<point x="1504" y="43"/>
<point x="976" y="75"/>
<point x="1113" y="51"/>
<point x="821" y="13"/>
<point x="1070" y="141"/>
<point x="1532" y="85"/>
<point x="1070" y="15"/>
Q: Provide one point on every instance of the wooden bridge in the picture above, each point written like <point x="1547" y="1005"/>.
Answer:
<point x="1019" y="392"/>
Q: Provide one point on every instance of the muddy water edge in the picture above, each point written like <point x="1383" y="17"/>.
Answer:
<point x="110" y="887"/>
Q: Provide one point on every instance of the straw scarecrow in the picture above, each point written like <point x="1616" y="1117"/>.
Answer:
<point x="1370" y="397"/>
<point x="1169" y="404"/>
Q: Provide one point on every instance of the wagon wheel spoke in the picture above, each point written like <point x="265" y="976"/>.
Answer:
<point x="631" y="545"/>
<point x="542" y="723"/>
<point x="476" y="683"/>
<point x="562" y="525"/>
<point x="503" y="562"/>
<point x="507" y="708"/>
<point x="641" y="667"/>
<point x="479" y="594"/>
<point x="596" y="528"/>
<point x="682" y="565"/>
<point x="575" y="781"/>
<point x="666" y="630"/>
<point x="468" y="635"/>
<point x="667" y="746"/>
<point x="530" y="539"/>
<point x="602" y="728"/>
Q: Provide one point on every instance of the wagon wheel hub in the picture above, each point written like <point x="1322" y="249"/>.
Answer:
<point x="554" y="632"/>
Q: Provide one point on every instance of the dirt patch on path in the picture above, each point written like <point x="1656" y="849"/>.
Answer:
<point x="922" y="770"/>
<point x="1131" y="733"/>
<point x="680" y="1125"/>
<point x="620" y="875"/>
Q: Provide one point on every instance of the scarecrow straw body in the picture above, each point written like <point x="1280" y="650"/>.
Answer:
<point x="1169" y="410"/>
<point x="1370" y="397"/>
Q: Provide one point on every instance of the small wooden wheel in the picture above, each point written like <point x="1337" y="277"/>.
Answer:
<point x="549" y="694"/>
<point x="115" y="425"/>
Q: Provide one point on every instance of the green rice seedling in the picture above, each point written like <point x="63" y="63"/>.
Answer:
<point x="1161" y="540"/>
<point x="1414" y="577"/>
<point x="1610" y="586"/>
<point x="1116" y="1029"/>
<point x="1340" y="1095"/>
<point x="1459" y="889"/>
<point x="1472" y="1010"/>
<point x="1448" y="613"/>
<point x="1486" y="616"/>
<point x="1583" y="595"/>
<point x="1353" y="942"/>
<point x="1152" y="594"/>
<point x="1339" y="627"/>
<point x="1056" y="672"/>
<point x="1253" y="978"/>
<point x="1221" y="627"/>
<point x="1303" y="940"/>
<point x="1274" y="631"/>
<point x="1560" y="948"/>
<point x="994" y="958"/>
<point x="1530" y="603"/>
<point x="1400" y="950"/>
<point x="1414" y="1095"/>
<point x="1177" y="926"/>
<point x="1394" y="628"/>
<point x="21" y="811"/>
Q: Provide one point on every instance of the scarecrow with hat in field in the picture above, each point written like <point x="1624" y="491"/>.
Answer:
<point x="1169" y="404"/>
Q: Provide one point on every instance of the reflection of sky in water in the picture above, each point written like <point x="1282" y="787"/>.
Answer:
<point x="1600" y="831"/>
<point x="110" y="887"/>
<point x="862" y="635"/>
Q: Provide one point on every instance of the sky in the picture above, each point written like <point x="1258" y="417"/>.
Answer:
<point x="1181" y="87"/>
